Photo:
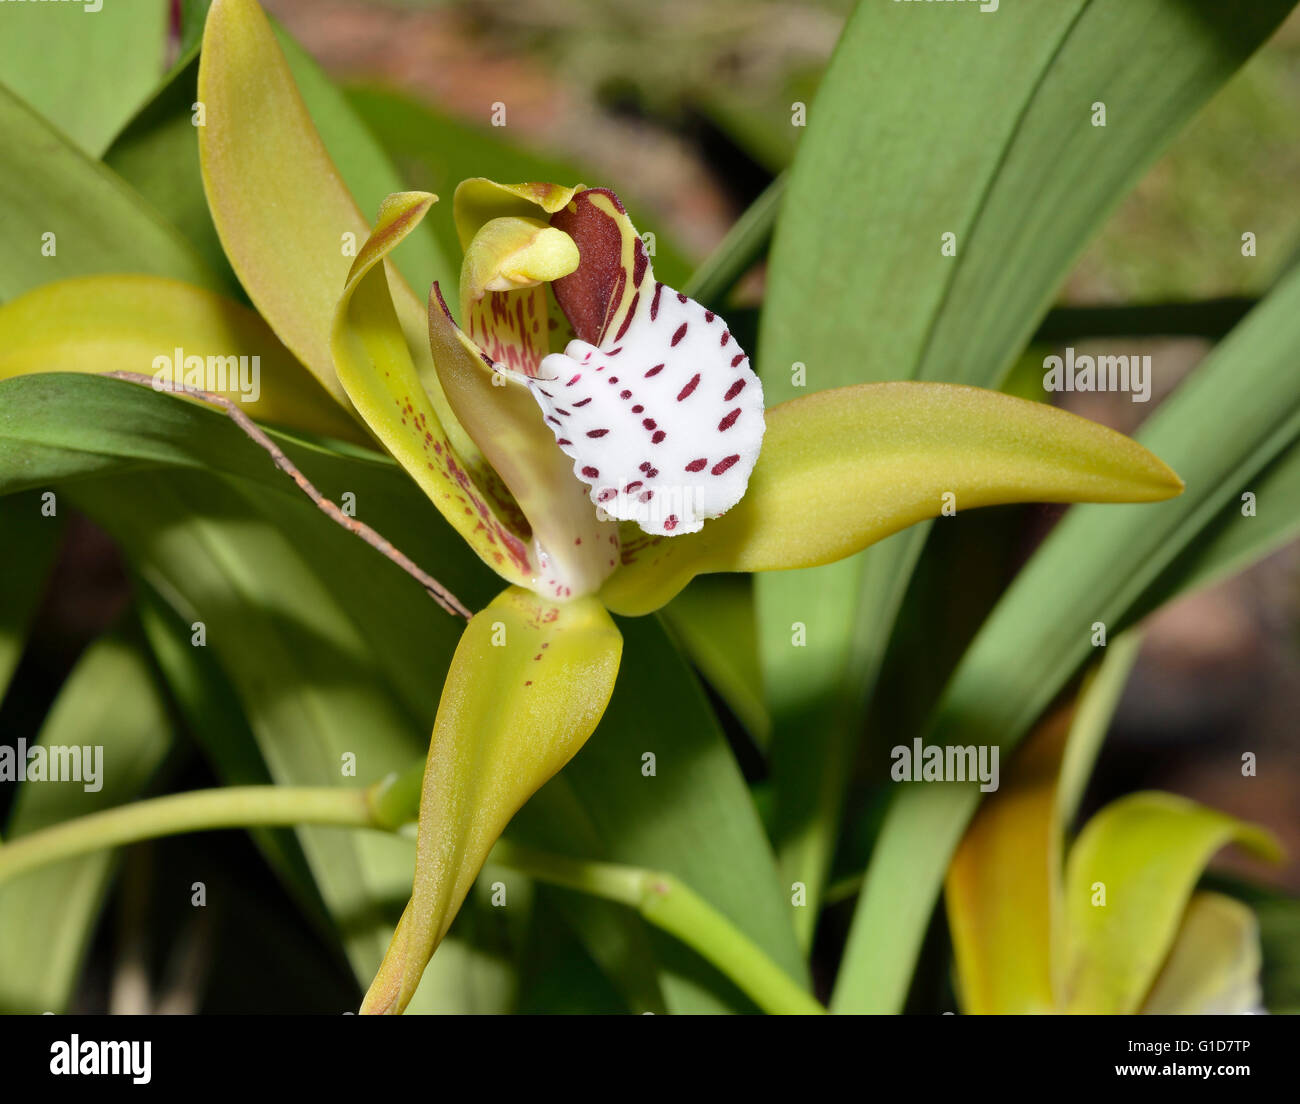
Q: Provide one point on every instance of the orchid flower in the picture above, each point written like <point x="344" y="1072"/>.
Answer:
<point x="1114" y="927"/>
<point x="596" y="437"/>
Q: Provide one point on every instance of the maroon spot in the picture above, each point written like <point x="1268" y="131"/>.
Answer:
<point x="708" y="316"/>
<point x="646" y="496"/>
<point x="574" y="380"/>
<point x="734" y="390"/>
<point x="654" y="371"/>
<point x="659" y="436"/>
<point x="631" y="487"/>
<point x="735" y="361"/>
<point x="555" y="421"/>
<point x="697" y="465"/>
<point x="576" y="540"/>
<point x="654" y="303"/>
<point x="729" y="420"/>
<point x="726" y="336"/>
<point x="685" y="392"/>
<point x="613" y="379"/>
<point x="597" y="432"/>
<point x="649" y="423"/>
<point x="561" y="412"/>
<point x="615" y="352"/>
<point x="563" y="441"/>
<point x="584" y="401"/>
<point x="591" y="473"/>
<point x="652" y="473"/>
<point x="606" y="494"/>
<point x="637" y="409"/>
<point x="646" y="466"/>
<point x="625" y="394"/>
<point x="723" y="465"/>
<point x="681" y="298"/>
<point x="546" y="393"/>
<point x="681" y="332"/>
<point x="670" y="522"/>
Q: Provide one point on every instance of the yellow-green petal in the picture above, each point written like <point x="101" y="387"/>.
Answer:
<point x="374" y="365"/>
<point x="528" y="684"/>
<point x="571" y="550"/>
<point x="1214" y="966"/>
<point x="844" y="468"/>
<point x="1003" y="885"/>
<point x="1127" y="883"/>
<point x="149" y="324"/>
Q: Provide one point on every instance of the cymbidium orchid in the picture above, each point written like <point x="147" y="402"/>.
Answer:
<point x="1116" y="926"/>
<point x="596" y="437"/>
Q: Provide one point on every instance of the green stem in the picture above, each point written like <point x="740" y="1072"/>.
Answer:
<point x="233" y="807"/>
<point x="736" y="253"/>
<point x="668" y="903"/>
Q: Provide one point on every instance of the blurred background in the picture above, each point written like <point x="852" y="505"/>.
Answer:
<point x="685" y="107"/>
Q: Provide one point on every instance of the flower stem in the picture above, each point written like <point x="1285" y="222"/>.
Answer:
<point x="671" y="905"/>
<point x="232" y="807"/>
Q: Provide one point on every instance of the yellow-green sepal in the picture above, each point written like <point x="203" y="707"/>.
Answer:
<point x="1127" y="883"/>
<point x="844" y="468"/>
<point x="528" y="684"/>
<point x="1213" y="966"/>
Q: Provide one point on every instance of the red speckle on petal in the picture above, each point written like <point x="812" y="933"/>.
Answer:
<point x="591" y="473"/>
<point x="649" y="423"/>
<point x="685" y="392"/>
<point x="734" y="390"/>
<point x="654" y="371"/>
<point x="659" y="436"/>
<point x="729" y="420"/>
<point x="681" y="332"/>
<point x="597" y="432"/>
<point x="735" y="361"/>
<point x="670" y="522"/>
<point x="697" y="465"/>
<point x="723" y="465"/>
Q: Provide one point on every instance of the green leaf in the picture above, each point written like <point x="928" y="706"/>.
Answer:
<point x="48" y="915"/>
<point x="1016" y="171"/>
<point x="713" y="618"/>
<point x="48" y="186"/>
<point x="528" y="684"/>
<point x="27" y="550"/>
<point x="842" y="469"/>
<point x="86" y="66"/>
<point x="1040" y="633"/>
<point x="1140" y="857"/>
